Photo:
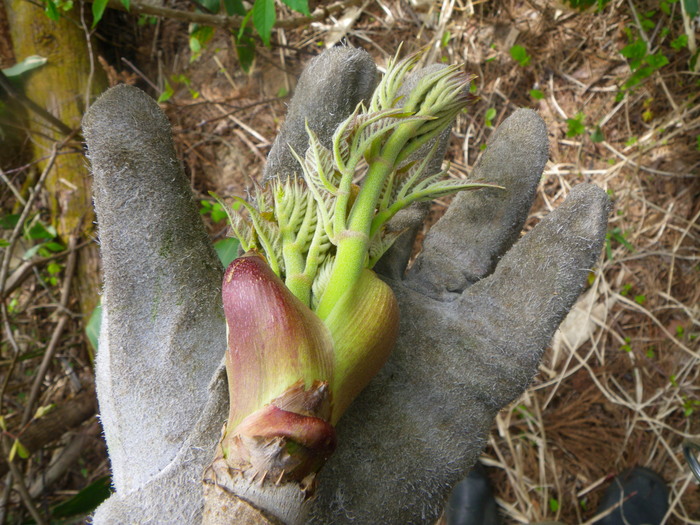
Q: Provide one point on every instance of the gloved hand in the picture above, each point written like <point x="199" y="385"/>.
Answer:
<point x="477" y="309"/>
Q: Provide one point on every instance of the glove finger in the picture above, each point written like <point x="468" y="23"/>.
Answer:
<point x="535" y="285"/>
<point x="163" y="332"/>
<point x="481" y="225"/>
<point x="175" y="494"/>
<point x="329" y="89"/>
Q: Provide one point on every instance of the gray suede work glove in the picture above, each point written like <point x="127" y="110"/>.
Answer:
<point x="477" y="309"/>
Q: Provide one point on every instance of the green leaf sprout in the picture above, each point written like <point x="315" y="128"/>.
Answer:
<point x="322" y="228"/>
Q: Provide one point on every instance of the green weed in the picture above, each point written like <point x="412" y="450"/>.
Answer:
<point x="520" y="55"/>
<point x="489" y="116"/>
<point x="536" y="94"/>
<point x="615" y="235"/>
<point x="575" y="126"/>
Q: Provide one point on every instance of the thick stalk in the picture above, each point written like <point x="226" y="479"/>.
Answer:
<point x="350" y="260"/>
<point x="298" y="283"/>
<point x="353" y="242"/>
<point x="297" y="278"/>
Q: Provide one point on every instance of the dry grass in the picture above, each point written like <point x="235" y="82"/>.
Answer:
<point x="620" y="385"/>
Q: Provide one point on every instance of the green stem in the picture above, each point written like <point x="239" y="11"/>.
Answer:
<point x="382" y="218"/>
<point x="294" y="262"/>
<point x="341" y="203"/>
<point x="300" y="285"/>
<point x="350" y="260"/>
<point x="353" y="243"/>
<point x="313" y="258"/>
<point x="295" y="237"/>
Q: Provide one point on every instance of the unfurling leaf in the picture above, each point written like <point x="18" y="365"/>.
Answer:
<point x="309" y="324"/>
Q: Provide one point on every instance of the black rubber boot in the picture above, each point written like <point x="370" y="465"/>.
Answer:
<point x="472" y="501"/>
<point x="645" y="496"/>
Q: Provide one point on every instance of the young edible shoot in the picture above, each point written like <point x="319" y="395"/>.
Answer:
<point x="309" y="322"/>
